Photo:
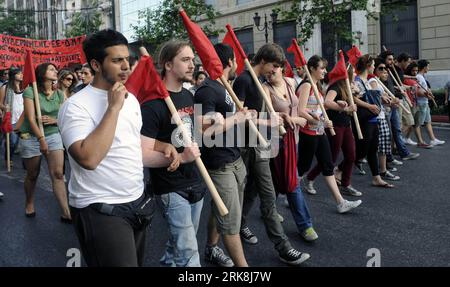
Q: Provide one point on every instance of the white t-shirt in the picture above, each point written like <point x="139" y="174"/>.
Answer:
<point x="382" y="114"/>
<point x="421" y="79"/>
<point x="119" y="176"/>
<point x="17" y="107"/>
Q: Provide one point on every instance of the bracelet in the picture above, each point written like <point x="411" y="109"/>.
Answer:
<point x="39" y="138"/>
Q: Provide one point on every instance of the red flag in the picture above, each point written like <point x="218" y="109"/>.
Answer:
<point x="28" y="71"/>
<point x="6" y="126"/>
<point x="145" y="82"/>
<point x="288" y="70"/>
<point x="353" y="55"/>
<point x="339" y="71"/>
<point x="203" y="47"/>
<point x="298" y="55"/>
<point x="239" y="58"/>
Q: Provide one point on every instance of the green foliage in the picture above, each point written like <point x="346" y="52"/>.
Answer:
<point x="164" y="22"/>
<point x="85" y="22"/>
<point x="17" y="23"/>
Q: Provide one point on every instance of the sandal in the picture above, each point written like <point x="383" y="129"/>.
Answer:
<point x="384" y="185"/>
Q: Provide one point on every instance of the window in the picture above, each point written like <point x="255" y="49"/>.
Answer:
<point x="238" y="2"/>
<point x="282" y="35"/>
<point x="245" y="37"/>
<point x="328" y="42"/>
<point x="401" y="34"/>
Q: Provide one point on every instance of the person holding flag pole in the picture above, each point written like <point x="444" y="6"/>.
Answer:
<point x="340" y="104"/>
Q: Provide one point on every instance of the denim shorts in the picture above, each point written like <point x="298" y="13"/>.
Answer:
<point x="422" y="114"/>
<point x="29" y="145"/>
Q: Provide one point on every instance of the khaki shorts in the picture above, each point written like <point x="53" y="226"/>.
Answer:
<point x="230" y="184"/>
<point x="407" y="119"/>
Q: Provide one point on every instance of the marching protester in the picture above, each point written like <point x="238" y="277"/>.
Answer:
<point x="199" y="78"/>
<point x="86" y="77"/>
<point x="179" y="191"/>
<point x="370" y="108"/>
<point x="34" y="144"/>
<point x="313" y="140"/>
<point x="384" y="134"/>
<point x="284" y="166"/>
<point x="339" y="111"/>
<point x="404" y="153"/>
<point x="100" y="127"/>
<point x="11" y="96"/>
<point x="223" y="160"/>
<point x="424" y="115"/>
<point x="267" y="60"/>
<point x="66" y="82"/>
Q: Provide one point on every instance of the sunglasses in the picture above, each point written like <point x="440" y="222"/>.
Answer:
<point x="69" y="79"/>
<point x="381" y="68"/>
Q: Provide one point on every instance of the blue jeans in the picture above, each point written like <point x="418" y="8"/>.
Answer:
<point x="299" y="209"/>
<point x="397" y="133"/>
<point x="183" y="219"/>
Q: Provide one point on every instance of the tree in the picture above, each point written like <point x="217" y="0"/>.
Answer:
<point x="164" y="22"/>
<point x="311" y="12"/>
<point x="17" y="23"/>
<point x="85" y="22"/>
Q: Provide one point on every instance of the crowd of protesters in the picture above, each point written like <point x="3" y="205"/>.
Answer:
<point x="87" y="112"/>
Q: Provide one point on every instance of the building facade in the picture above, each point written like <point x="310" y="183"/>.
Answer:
<point x="423" y="30"/>
<point x="129" y="14"/>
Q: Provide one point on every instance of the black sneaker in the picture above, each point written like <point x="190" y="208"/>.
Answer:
<point x="248" y="236"/>
<point x="359" y="167"/>
<point x="215" y="255"/>
<point x="294" y="257"/>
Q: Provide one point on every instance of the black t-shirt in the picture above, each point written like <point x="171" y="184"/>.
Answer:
<point x="246" y="90"/>
<point x="157" y="124"/>
<point x="214" y="98"/>
<point x="341" y="119"/>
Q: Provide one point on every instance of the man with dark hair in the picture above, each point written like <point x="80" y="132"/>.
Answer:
<point x="224" y="162"/>
<point x="259" y="181"/>
<point x="423" y="115"/>
<point x="179" y="190"/>
<point x="100" y="127"/>
<point x="394" y="115"/>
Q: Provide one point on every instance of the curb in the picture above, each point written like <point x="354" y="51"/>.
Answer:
<point x="439" y="124"/>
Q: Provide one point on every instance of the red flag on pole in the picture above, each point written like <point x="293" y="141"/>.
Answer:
<point x="28" y="71"/>
<point x="6" y="126"/>
<point x="203" y="47"/>
<point x="145" y="82"/>
<point x="339" y="71"/>
<point x="288" y="70"/>
<point x="353" y="55"/>
<point x="298" y="55"/>
<point x="239" y="58"/>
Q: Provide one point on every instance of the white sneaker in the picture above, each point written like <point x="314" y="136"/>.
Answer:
<point x="409" y="141"/>
<point x="437" y="142"/>
<point x="346" y="205"/>
<point x="308" y="185"/>
<point x="396" y="162"/>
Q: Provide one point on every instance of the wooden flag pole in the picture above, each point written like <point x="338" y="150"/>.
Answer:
<point x="8" y="145"/>
<point x="198" y="161"/>
<point x="262" y="92"/>
<point x="316" y="94"/>
<point x="426" y="90"/>
<point x="240" y="106"/>
<point x="355" y="115"/>
<point x="401" y="89"/>
<point x="38" y="107"/>
<point x="391" y="95"/>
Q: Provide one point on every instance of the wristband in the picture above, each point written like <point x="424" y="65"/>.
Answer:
<point x="39" y="138"/>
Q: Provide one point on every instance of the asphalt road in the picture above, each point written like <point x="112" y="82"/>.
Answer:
<point x="408" y="225"/>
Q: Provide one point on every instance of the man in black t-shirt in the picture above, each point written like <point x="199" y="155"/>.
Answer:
<point x="259" y="181"/>
<point x="179" y="189"/>
<point x="223" y="159"/>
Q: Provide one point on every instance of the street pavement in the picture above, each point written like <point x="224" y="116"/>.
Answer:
<point x="408" y="225"/>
